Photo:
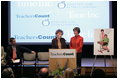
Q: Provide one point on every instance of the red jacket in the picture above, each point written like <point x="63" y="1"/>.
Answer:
<point x="76" y="42"/>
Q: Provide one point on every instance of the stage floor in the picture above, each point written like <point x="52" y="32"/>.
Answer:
<point x="88" y="62"/>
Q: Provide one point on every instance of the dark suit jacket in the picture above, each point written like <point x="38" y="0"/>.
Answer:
<point x="55" y="43"/>
<point x="19" y="52"/>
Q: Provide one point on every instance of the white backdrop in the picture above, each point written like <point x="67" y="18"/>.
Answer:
<point x="37" y="21"/>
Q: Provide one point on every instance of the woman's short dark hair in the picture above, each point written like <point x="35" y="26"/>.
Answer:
<point x="59" y="30"/>
<point x="102" y="30"/>
<point x="77" y="29"/>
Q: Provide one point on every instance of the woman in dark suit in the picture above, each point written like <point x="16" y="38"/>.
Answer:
<point x="59" y="42"/>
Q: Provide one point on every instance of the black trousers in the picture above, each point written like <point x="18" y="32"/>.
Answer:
<point x="78" y="59"/>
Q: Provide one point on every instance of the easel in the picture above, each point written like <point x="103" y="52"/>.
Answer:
<point x="111" y="34"/>
<point x="104" y="64"/>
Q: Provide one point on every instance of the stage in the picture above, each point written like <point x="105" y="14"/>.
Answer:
<point x="87" y="63"/>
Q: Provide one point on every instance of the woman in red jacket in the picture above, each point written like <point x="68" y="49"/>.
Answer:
<point x="76" y="42"/>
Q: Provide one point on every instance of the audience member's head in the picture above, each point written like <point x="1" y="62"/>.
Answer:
<point x="43" y="73"/>
<point x="98" y="73"/>
<point x="69" y="73"/>
<point x="12" y="41"/>
<point x="7" y="73"/>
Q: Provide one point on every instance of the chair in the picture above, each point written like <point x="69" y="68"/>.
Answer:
<point x="42" y="59"/>
<point x="3" y="56"/>
<point x="2" y="52"/>
<point x="28" y="60"/>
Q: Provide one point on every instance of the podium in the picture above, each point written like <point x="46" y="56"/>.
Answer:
<point x="62" y="58"/>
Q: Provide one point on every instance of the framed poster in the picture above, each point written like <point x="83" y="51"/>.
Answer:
<point x="104" y="42"/>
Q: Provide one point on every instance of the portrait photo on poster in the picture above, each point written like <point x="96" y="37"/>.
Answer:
<point x="104" y="42"/>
